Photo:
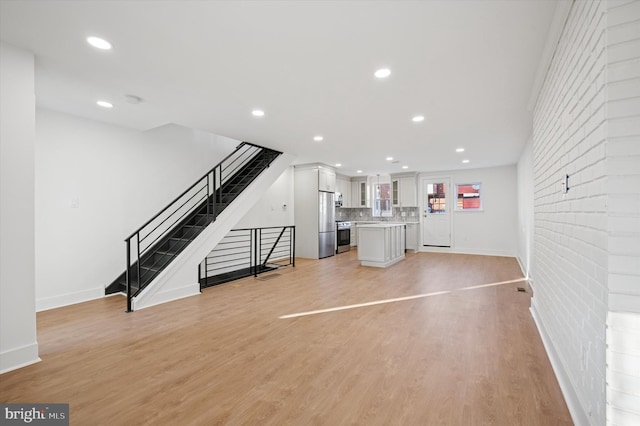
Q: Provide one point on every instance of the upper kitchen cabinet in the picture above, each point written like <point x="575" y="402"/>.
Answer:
<point x="326" y="179"/>
<point x="359" y="192"/>
<point x="343" y="186"/>
<point x="404" y="191"/>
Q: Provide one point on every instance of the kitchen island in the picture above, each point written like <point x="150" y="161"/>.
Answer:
<point x="381" y="244"/>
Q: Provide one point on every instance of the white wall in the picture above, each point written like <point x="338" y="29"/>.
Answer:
<point x="493" y="230"/>
<point x="623" y="203"/>
<point x="18" y="345"/>
<point x="569" y="137"/>
<point x="525" y="211"/>
<point x="623" y="154"/>
<point x="97" y="183"/>
<point x="269" y="210"/>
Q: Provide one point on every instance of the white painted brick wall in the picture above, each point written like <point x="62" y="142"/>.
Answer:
<point x="623" y="369"/>
<point x="623" y="221"/>
<point x="587" y="242"/>
<point x="571" y="231"/>
<point x="623" y="154"/>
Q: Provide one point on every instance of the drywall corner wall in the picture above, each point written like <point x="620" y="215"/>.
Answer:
<point x="275" y="207"/>
<point x="18" y="344"/>
<point x="97" y="183"/>
<point x="525" y="210"/>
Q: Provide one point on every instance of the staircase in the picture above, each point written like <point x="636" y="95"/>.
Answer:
<point x="152" y="247"/>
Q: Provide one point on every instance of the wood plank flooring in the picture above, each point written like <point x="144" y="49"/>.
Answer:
<point x="467" y="357"/>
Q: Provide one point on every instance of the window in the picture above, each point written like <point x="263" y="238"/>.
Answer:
<point x="468" y="196"/>
<point x="436" y="198"/>
<point x="381" y="196"/>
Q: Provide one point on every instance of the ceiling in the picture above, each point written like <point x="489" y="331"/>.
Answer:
<point x="467" y="66"/>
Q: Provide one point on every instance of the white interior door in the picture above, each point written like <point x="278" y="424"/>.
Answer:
<point x="436" y="215"/>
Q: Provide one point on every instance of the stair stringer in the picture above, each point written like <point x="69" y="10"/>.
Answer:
<point x="180" y="278"/>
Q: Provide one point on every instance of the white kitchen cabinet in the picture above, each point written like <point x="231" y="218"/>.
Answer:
<point x="355" y="198"/>
<point x="343" y="186"/>
<point x="395" y="192"/>
<point x="380" y="245"/>
<point x="326" y="180"/>
<point x="408" y="192"/>
<point x="359" y="193"/>
<point x="412" y="237"/>
<point x="404" y="191"/>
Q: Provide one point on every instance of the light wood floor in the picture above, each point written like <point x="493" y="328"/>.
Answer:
<point x="469" y="357"/>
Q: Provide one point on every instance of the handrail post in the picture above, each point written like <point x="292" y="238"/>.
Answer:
<point x="139" y="276"/>
<point x="128" y="275"/>
<point x="213" y="194"/>
<point x="251" y="254"/>
<point x="208" y="201"/>
<point x="255" y="252"/>
<point x="294" y="246"/>
<point x="218" y="192"/>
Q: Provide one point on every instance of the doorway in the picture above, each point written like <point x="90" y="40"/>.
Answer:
<point x="436" y="216"/>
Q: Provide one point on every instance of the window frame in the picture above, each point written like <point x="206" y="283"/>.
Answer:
<point x="480" y="197"/>
<point x="378" y="201"/>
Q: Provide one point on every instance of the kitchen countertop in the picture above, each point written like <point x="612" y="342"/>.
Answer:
<point x="369" y="222"/>
<point x="381" y="225"/>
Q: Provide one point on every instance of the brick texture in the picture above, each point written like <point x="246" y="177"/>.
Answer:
<point x="571" y="234"/>
<point x="587" y="240"/>
<point x="623" y="207"/>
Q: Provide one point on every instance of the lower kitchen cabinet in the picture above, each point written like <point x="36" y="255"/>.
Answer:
<point x="412" y="237"/>
<point x="381" y="245"/>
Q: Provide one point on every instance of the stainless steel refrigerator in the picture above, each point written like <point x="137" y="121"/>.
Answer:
<point x="326" y="224"/>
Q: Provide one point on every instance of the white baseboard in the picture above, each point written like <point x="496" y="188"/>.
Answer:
<point x="18" y="357"/>
<point x="578" y="415"/>
<point x="522" y="267"/>
<point x="46" y="303"/>
<point x="526" y="275"/>
<point x="454" y="250"/>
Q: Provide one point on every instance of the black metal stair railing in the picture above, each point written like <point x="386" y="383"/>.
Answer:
<point x="155" y="244"/>
<point x="246" y="252"/>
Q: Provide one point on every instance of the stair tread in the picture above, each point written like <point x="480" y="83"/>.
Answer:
<point x="166" y="252"/>
<point x="170" y="247"/>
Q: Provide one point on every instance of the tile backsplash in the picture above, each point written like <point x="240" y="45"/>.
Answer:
<point x="412" y="214"/>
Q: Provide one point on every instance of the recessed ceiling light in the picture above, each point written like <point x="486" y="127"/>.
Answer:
<point x="99" y="43"/>
<point x="459" y="149"/>
<point x="465" y="161"/>
<point x="318" y="138"/>
<point x="257" y="112"/>
<point x="405" y="167"/>
<point x="104" y="104"/>
<point x="338" y="165"/>
<point x="418" y="118"/>
<point x="383" y="73"/>
<point x="389" y="158"/>
<point x="358" y="171"/>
